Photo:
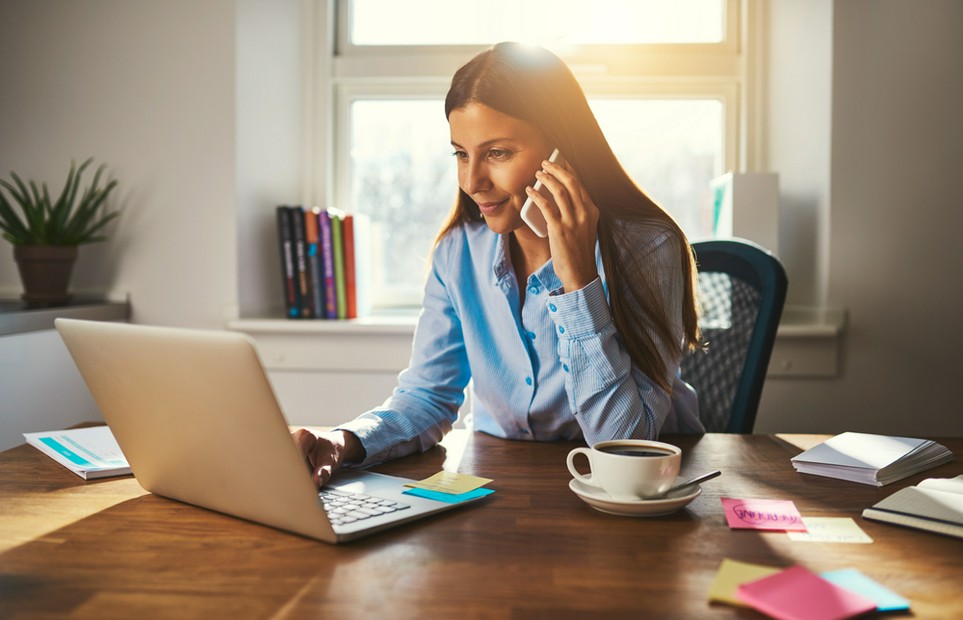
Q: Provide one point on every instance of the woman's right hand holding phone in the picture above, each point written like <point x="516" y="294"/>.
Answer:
<point x="572" y="221"/>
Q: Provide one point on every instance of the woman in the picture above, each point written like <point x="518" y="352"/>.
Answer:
<point x="578" y="334"/>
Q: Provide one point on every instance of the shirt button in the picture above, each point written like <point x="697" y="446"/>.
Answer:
<point x="531" y="335"/>
<point x="533" y="289"/>
<point x="528" y="380"/>
<point x="561" y="329"/>
<point x="552" y="307"/>
<point x="565" y="367"/>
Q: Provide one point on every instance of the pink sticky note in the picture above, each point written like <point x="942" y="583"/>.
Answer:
<point x="763" y="514"/>
<point x="797" y="594"/>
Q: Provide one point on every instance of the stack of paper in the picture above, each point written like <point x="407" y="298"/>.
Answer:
<point x="871" y="459"/>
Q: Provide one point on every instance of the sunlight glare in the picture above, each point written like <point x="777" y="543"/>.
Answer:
<point x="550" y="23"/>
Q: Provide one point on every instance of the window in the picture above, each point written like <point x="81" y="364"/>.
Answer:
<point x="663" y="78"/>
<point x="376" y="22"/>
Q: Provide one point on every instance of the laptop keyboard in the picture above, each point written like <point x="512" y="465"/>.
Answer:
<point x="344" y="507"/>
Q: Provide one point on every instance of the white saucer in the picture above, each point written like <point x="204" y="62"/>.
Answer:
<point x="603" y="502"/>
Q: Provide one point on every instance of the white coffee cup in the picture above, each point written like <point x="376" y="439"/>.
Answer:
<point x="629" y="469"/>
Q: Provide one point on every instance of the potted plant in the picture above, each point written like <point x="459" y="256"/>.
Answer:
<point x="46" y="233"/>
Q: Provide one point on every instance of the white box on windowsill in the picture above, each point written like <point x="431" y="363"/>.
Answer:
<point x="746" y="205"/>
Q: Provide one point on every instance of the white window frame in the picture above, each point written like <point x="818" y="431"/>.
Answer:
<point x="344" y="95"/>
<point x="726" y="71"/>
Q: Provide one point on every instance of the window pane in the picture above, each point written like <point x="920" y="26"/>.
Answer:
<point x="546" y="22"/>
<point x="403" y="178"/>
<point x="672" y="149"/>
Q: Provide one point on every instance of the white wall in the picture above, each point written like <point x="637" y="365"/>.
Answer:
<point x="149" y="88"/>
<point x="799" y="138"/>
<point x="274" y="138"/>
<point x="40" y="387"/>
<point x="894" y="209"/>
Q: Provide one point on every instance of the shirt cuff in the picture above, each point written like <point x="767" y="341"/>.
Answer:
<point x="581" y="313"/>
<point x="363" y="427"/>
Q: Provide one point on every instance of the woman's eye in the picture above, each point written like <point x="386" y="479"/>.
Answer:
<point x="499" y="154"/>
<point x="460" y="155"/>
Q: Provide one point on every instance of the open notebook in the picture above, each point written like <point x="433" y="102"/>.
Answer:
<point x="935" y="505"/>
<point x="196" y="418"/>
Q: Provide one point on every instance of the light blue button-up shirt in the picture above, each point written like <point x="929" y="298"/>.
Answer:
<point x="551" y="368"/>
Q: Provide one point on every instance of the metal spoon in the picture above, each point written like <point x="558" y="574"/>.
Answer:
<point x="696" y="480"/>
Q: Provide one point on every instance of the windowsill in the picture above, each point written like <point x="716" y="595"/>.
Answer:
<point x="805" y="322"/>
<point x="797" y="322"/>
<point x="807" y="343"/>
<point x="16" y="318"/>
<point x="392" y="322"/>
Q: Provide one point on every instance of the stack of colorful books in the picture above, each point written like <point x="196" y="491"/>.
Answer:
<point x="319" y="249"/>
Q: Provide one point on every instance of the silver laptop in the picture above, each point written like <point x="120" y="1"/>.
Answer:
<point x="196" y="417"/>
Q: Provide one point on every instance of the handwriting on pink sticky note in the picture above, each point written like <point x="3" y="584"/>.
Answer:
<point x="797" y="594"/>
<point x="763" y="514"/>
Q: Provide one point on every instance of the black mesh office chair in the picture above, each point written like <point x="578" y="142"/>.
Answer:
<point x="742" y="289"/>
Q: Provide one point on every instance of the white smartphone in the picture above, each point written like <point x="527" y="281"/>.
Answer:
<point x="531" y="214"/>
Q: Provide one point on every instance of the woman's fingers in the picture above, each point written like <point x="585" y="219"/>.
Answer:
<point x="305" y="441"/>
<point x="571" y="200"/>
<point x="573" y="206"/>
<point x="556" y="207"/>
<point x="572" y="220"/>
<point x="321" y="454"/>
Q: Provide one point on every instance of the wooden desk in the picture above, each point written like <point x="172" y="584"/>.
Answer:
<point x="106" y="549"/>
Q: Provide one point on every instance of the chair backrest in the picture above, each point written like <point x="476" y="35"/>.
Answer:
<point x="742" y="289"/>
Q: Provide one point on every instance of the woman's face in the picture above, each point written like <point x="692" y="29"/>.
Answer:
<point x="497" y="158"/>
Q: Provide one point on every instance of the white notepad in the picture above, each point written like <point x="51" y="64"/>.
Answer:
<point x="88" y="452"/>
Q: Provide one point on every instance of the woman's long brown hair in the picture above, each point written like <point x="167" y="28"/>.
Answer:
<point x="534" y="85"/>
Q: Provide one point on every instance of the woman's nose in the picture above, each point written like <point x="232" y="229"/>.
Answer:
<point x="475" y="177"/>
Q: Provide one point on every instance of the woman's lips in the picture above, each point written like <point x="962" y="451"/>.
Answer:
<point x="490" y="207"/>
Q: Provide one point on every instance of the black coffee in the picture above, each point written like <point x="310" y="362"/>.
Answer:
<point x="632" y="451"/>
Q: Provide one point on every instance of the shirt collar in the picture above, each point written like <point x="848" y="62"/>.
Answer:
<point x="544" y="275"/>
<point x="501" y="263"/>
<point x="502" y="269"/>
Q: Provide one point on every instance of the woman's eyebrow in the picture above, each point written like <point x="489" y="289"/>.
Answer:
<point x="486" y="143"/>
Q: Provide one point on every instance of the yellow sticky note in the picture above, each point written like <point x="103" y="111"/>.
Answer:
<point x="731" y="575"/>
<point x="831" y="530"/>
<point x="450" y="482"/>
